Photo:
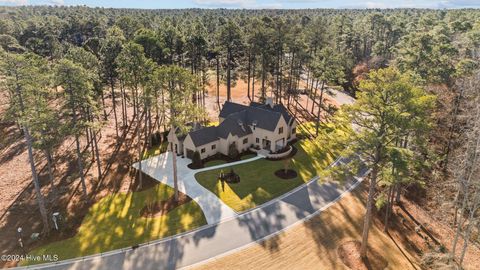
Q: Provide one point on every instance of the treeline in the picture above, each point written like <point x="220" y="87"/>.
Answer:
<point x="158" y="63"/>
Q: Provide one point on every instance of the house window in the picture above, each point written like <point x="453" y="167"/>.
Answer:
<point x="280" y="130"/>
<point x="214" y="146"/>
<point x="257" y="140"/>
<point x="202" y="150"/>
<point x="245" y="141"/>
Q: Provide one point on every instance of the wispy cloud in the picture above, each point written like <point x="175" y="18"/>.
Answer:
<point x="224" y="3"/>
<point x="459" y="4"/>
<point x="14" y="2"/>
<point x="238" y="4"/>
<point x="56" y="2"/>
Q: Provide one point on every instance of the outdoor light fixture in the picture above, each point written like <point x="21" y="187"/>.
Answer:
<point x="20" y="241"/>
<point x="55" y="217"/>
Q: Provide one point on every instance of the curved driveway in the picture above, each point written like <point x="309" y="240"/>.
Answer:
<point x="217" y="239"/>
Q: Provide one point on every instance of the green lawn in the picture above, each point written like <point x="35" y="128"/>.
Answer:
<point x="214" y="163"/>
<point x="258" y="183"/>
<point x="115" y="222"/>
<point x="156" y="150"/>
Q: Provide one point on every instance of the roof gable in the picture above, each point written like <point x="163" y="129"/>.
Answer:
<point x="204" y="136"/>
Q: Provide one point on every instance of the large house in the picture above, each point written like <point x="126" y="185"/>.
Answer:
<point x="266" y="126"/>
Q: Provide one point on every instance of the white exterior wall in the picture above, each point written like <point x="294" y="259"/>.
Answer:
<point x="272" y="136"/>
<point x="188" y="144"/>
<point x="244" y="147"/>
<point x="222" y="145"/>
<point x="173" y="139"/>
<point x="292" y="136"/>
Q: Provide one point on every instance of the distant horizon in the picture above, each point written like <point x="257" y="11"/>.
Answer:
<point x="253" y="4"/>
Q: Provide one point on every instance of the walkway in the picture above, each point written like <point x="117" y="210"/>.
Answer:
<point x="160" y="169"/>
<point x="214" y="240"/>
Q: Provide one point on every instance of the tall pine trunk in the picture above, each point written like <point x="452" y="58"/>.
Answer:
<point x="139" y="149"/>
<point x="218" y="82"/>
<point x="368" y="214"/>
<point x="253" y="81"/>
<point x="174" y="165"/>
<point x="77" y="144"/>
<point x="114" y="105"/>
<point x="248" y="76"/>
<point x="48" y="156"/>
<point x="36" y="183"/>
<point x="229" y="94"/>
<point x="317" y="127"/>
<point x="263" y="79"/>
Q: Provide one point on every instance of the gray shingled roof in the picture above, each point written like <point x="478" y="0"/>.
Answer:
<point x="235" y="124"/>
<point x="204" y="136"/>
<point x="238" y="119"/>
<point x="281" y="109"/>
<point x="265" y="116"/>
<point x="230" y="107"/>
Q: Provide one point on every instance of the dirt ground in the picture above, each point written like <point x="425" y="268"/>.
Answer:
<point x="18" y="207"/>
<point x="313" y="244"/>
<point x="239" y="94"/>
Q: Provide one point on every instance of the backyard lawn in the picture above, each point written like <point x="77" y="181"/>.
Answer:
<point x="258" y="183"/>
<point x="115" y="222"/>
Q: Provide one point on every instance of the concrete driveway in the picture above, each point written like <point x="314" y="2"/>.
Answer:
<point x="213" y="240"/>
<point x="160" y="168"/>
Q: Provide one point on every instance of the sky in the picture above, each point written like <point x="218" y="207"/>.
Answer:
<point x="253" y="4"/>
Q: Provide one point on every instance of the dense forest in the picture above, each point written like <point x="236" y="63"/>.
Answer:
<point x="67" y="70"/>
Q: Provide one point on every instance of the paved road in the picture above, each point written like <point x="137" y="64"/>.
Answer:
<point x="339" y="96"/>
<point x="214" y="240"/>
<point x="160" y="168"/>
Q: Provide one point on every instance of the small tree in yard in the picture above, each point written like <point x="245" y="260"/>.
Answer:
<point x="233" y="151"/>
<point x="286" y="164"/>
<point x="389" y="109"/>
<point x="196" y="159"/>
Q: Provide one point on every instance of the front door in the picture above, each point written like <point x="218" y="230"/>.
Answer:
<point x="266" y="144"/>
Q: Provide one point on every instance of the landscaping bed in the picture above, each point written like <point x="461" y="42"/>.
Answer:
<point x="220" y="159"/>
<point x="289" y="174"/>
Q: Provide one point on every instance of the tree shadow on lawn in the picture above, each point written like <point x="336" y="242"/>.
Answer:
<point x="115" y="222"/>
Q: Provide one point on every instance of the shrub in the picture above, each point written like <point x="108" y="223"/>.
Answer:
<point x="196" y="160"/>
<point x="233" y="151"/>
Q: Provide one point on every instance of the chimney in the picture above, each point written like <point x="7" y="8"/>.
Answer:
<point x="240" y="123"/>
<point x="269" y="101"/>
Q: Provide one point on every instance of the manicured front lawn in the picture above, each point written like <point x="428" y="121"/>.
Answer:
<point x="115" y="222"/>
<point x="258" y="183"/>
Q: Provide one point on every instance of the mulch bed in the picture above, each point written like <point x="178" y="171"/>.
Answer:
<point x="349" y="254"/>
<point x="293" y="153"/>
<point x="194" y="166"/>
<point x="219" y="156"/>
<point x="160" y="208"/>
<point x="290" y="174"/>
